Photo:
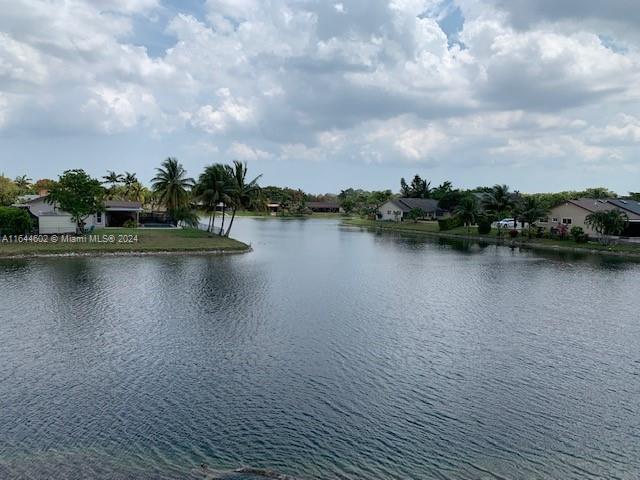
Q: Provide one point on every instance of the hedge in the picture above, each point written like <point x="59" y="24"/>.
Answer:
<point x="449" y="223"/>
<point x="14" y="221"/>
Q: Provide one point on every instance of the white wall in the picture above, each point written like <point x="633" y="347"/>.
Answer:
<point x="56" y="224"/>
<point x="390" y="211"/>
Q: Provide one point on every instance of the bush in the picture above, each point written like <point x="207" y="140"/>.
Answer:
<point x="484" y="227"/>
<point x="14" y="221"/>
<point x="130" y="224"/>
<point x="576" y="232"/>
<point x="513" y="233"/>
<point x="449" y="223"/>
<point x="578" y="235"/>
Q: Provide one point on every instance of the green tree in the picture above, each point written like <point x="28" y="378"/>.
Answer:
<point x="467" y="211"/>
<point x="531" y="210"/>
<point x="172" y="185"/>
<point x="23" y="183"/>
<point x="129" y="180"/>
<point x="415" y="214"/>
<point x="8" y="191"/>
<point x="211" y="189"/>
<point x="498" y="202"/>
<point x="78" y="194"/>
<point x="240" y="191"/>
<point x="420" y="188"/>
<point x="442" y="190"/>
<point x="607" y="223"/>
<point x="405" y="190"/>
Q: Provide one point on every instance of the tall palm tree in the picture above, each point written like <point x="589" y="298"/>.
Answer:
<point x="241" y="192"/>
<point x="211" y="189"/>
<point x="112" y="179"/>
<point x="23" y="183"/>
<point x="467" y="210"/>
<point x="172" y="185"/>
<point x="129" y="180"/>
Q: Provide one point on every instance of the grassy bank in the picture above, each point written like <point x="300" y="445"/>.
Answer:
<point x="124" y="241"/>
<point x="432" y="229"/>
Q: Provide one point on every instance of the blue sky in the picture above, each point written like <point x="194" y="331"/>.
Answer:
<point x="324" y="95"/>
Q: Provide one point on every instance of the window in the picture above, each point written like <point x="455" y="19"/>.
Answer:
<point x="566" y="221"/>
<point x="544" y="220"/>
<point x="388" y="212"/>
<point x="554" y="219"/>
<point x="99" y="217"/>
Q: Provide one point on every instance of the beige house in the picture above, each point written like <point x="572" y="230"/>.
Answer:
<point x="573" y="213"/>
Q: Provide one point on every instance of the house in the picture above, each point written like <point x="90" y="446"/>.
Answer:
<point x="324" y="207"/>
<point x="396" y="210"/>
<point x="273" y="208"/>
<point x="51" y="220"/>
<point x="573" y="213"/>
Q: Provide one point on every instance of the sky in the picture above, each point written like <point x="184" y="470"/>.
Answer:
<point x="324" y="95"/>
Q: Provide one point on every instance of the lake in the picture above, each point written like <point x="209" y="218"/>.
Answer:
<point x="329" y="352"/>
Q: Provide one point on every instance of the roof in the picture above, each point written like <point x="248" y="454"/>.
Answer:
<point x="632" y="206"/>
<point x="424" y="204"/>
<point x="122" y="205"/>
<point x="323" y="205"/>
<point x="592" y="204"/>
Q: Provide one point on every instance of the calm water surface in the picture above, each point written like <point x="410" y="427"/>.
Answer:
<point x="327" y="353"/>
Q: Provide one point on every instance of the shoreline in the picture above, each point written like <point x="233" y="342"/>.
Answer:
<point x="125" y="253"/>
<point x="506" y="242"/>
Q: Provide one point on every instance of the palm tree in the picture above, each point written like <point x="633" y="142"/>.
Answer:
<point x="531" y="210"/>
<point x="172" y="185"/>
<point x="211" y="189"/>
<point x="605" y="223"/>
<point x="498" y="201"/>
<point x="112" y="179"/>
<point x="136" y="192"/>
<point x="129" y="180"/>
<point x="467" y="211"/>
<point x="240" y="192"/>
<point x="23" y="183"/>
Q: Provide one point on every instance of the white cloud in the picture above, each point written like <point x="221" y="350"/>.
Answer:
<point x="360" y="81"/>
<point x="242" y="151"/>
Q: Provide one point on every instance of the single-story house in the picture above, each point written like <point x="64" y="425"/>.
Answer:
<point x="573" y="213"/>
<point x="273" y="208"/>
<point x="324" y="207"/>
<point x="51" y="220"/>
<point x="396" y="210"/>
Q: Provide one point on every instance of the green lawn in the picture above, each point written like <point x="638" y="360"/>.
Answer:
<point x="431" y="228"/>
<point x="127" y="240"/>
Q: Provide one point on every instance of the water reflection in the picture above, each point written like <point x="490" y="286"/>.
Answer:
<point x="326" y="353"/>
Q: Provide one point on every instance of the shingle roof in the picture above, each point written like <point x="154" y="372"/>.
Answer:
<point x="632" y="206"/>
<point x="424" y="204"/>
<point x="323" y="205"/>
<point x="121" y="204"/>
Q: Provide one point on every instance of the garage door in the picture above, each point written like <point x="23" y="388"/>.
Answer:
<point x="56" y="224"/>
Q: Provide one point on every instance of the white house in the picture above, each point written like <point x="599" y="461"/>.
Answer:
<point x="52" y="220"/>
<point x="396" y="210"/>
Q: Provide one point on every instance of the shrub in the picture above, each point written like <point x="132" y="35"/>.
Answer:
<point x="484" y="226"/>
<point x="576" y="233"/>
<point x="513" y="233"/>
<point x="130" y="224"/>
<point x="14" y="221"/>
<point x="449" y="223"/>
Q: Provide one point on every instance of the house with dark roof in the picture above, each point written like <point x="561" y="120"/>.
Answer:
<point x="323" y="207"/>
<point x="573" y="213"/>
<point x="396" y="210"/>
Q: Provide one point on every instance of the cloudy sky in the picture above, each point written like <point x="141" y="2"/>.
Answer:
<point x="540" y="94"/>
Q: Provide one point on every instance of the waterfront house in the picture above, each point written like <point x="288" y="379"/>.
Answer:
<point x="324" y="207"/>
<point x="396" y="210"/>
<point x="573" y="213"/>
<point x="51" y="220"/>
